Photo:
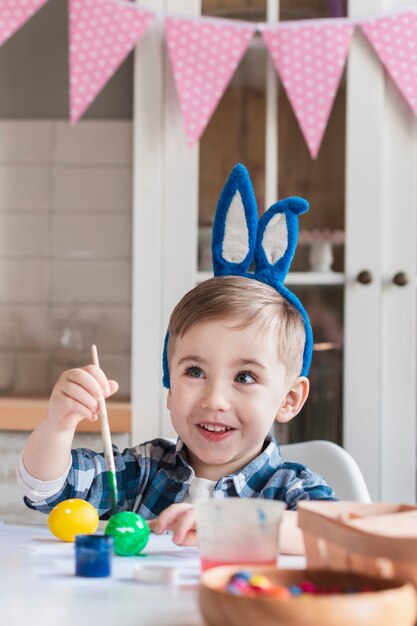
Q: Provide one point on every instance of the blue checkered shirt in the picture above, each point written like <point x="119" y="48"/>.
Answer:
<point x="155" y="474"/>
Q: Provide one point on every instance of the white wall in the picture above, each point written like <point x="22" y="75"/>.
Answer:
<point x="65" y="243"/>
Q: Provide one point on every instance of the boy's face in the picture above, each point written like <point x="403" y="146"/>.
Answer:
<point x="227" y="388"/>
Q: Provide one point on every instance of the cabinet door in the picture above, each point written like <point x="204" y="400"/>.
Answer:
<point x="380" y="317"/>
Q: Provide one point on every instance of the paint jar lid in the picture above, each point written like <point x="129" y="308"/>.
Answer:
<point x="99" y="543"/>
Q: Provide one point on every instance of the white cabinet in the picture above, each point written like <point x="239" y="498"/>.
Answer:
<point x="379" y="417"/>
<point x="380" y="321"/>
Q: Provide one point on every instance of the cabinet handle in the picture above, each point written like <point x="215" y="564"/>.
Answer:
<point x="364" y="277"/>
<point x="400" y="279"/>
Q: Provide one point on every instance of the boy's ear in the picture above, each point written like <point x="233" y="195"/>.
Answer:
<point x="169" y="400"/>
<point x="294" y="400"/>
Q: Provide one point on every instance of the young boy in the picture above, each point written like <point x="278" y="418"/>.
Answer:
<point x="235" y="350"/>
<point x="236" y="357"/>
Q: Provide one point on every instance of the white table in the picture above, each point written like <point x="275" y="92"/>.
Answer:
<point x="38" y="586"/>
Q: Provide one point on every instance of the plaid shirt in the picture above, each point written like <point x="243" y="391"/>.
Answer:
<point x="155" y="474"/>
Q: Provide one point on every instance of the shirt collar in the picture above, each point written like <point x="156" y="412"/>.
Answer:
<point x="265" y="463"/>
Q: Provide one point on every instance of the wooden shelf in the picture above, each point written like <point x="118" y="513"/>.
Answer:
<point x="26" y="413"/>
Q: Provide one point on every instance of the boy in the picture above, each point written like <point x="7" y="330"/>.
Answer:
<point x="234" y="352"/>
<point x="236" y="357"/>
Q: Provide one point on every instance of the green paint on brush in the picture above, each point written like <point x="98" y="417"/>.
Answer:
<point x="111" y="477"/>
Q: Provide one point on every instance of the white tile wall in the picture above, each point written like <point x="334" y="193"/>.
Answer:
<point x="23" y="235"/>
<point x="30" y="326"/>
<point x="65" y="243"/>
<point x="97" y="189"/>
<point x="93" y="143"/>
<point x="77" y="236"/>
<point x="23" y="281"/>
<point x="24" y="187"/>
<point x="90" y="282"/>
<point x="113" y="331"/>
<point x="32" y="373"/>
<point x="25" y="141"/>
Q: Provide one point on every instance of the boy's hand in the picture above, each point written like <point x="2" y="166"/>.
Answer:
<point x="76" y="395"/>
<point x="180" y="519"/>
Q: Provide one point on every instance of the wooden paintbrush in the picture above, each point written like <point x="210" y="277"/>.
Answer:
<point x="106" y="439"/>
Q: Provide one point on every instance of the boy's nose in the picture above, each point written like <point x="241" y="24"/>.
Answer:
<point x="215" y="398"/>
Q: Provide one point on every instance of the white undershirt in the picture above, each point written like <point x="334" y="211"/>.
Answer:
<point x="37" y="490"/>
<point x="200" y="489"/>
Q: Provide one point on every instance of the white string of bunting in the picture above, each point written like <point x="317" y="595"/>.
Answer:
<point x="309" y="55"/>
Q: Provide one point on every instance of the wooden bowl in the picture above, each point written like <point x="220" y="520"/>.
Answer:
<point x="393" y="603"/>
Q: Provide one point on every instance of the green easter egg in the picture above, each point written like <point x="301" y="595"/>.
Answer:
<point x="129" y="531"/>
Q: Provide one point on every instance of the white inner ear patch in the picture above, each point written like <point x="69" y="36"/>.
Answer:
<point x="275" y="238"/>
<point x="236" y="234"/>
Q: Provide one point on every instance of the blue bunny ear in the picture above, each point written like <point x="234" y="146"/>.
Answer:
<point x="277" y="238"/>
<point x="235" y="224"/>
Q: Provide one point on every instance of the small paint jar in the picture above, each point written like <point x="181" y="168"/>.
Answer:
<point x="93" y="555"/>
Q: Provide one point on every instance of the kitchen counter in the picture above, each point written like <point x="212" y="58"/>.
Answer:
<point x="26" y="413"/>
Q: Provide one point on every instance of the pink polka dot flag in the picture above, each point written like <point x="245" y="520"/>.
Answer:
<point x="101" y="34"/>
<point x="204" y="55"/>
<point x="394" y="38"/>
<point x="309" y="58"/>
<point x="14" y="14"/>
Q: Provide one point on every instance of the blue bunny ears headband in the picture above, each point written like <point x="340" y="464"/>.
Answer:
<point x="238" y="239"/>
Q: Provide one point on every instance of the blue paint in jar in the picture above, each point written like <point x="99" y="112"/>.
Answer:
<point x="93" y="555"/>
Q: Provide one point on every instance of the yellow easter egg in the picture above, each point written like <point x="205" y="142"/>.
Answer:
<point x="73" y="517"/>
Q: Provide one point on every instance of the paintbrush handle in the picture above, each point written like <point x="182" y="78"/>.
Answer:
<point x="105" y="436"/>
<point x="106" y="439"/>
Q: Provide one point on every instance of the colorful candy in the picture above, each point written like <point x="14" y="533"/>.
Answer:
<point x="243" y="583"/>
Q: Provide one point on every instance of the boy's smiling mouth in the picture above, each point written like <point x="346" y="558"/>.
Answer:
<point x="215" y="428"/>
<point x="214" y="432"/>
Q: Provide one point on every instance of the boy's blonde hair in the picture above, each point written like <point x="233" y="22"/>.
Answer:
<point x="248" y="301"/>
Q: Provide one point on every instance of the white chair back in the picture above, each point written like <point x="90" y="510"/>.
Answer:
<point x="338" y="467"/>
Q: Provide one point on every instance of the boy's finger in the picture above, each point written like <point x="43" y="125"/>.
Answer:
<point x="153" y="525"/>
<point x="183" y="525"/>
<point x="168" y="517"/>
<point x="74" y="391"/>
<point x="75" y="407"/>
<point x="189" y="540"/>
<point x="100" y="377"/>
<point x="91" y="378"/>
<point x="114" y="386"/>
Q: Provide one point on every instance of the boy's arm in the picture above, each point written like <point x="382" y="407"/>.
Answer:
<point x="47" y="452"/>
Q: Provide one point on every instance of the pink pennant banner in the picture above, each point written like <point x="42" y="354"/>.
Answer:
<point x="14" y="14"/>
<point x="101" y="34"/>
<point x="394" y="38"/>
<point x="204" y="55"/>
<point x="310" y="59"/>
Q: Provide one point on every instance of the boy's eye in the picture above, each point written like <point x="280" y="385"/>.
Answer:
<point x="245" y="378"/>
<point x="194" y="372"/>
